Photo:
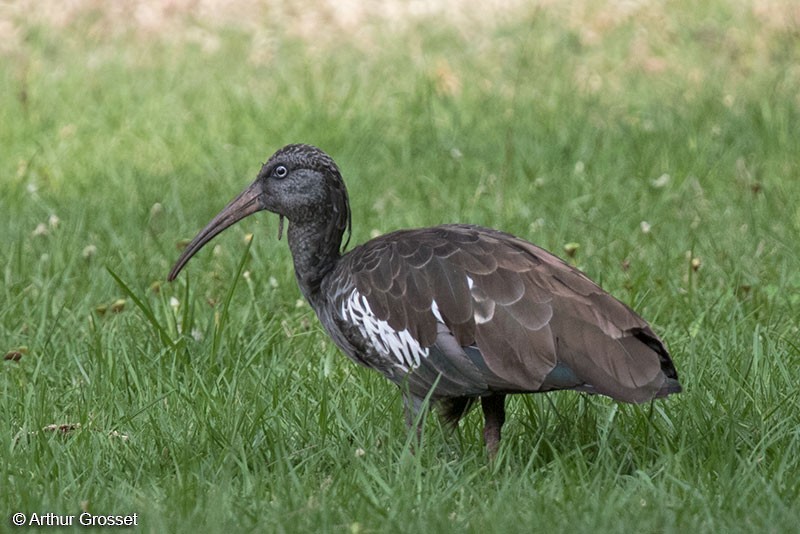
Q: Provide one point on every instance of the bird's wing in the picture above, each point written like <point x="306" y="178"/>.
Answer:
<point x="524" y="319"/>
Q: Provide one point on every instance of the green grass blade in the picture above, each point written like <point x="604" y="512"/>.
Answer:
<point x="223" y="318"/>
<point x="144" y="308"/>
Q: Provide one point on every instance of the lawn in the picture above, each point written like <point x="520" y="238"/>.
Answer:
<point x="655" y="145"/>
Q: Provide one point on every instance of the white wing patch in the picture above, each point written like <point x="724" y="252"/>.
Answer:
<point x="482" y="307"/>
<point x="387" y="341"/>
<point x="436" y="313"/>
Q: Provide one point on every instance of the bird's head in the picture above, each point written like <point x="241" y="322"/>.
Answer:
<point x="299" y="182"/>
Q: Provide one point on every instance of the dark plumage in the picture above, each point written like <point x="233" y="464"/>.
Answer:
<point x="456" y="311"/>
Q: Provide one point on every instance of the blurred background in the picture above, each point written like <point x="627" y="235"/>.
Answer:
<point x="652" y="143"/>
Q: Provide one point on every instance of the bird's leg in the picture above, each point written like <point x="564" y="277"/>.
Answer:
<point x="494" y="415"/>
<point x="413" y="408"/>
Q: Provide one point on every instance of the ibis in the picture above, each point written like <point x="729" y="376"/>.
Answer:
<point x="453" y="314"/>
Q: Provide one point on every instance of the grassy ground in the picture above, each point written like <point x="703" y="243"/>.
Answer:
<point x="660" y="137"/>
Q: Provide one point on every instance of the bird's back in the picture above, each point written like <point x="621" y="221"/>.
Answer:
<point x="476" y="311"/>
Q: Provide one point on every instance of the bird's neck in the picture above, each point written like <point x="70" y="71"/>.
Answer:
<point x="315" y="251"/>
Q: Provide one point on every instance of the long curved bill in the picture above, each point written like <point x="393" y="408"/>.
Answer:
<point x="248" y="202"/>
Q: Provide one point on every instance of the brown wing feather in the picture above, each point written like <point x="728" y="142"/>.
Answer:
<point x="526" y="313"/>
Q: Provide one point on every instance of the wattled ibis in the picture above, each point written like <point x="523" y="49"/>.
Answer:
<point x="455" y="312"/>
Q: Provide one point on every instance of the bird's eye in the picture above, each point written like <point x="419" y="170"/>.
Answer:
<point x="280" y="171"/>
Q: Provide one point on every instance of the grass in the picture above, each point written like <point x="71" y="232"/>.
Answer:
<point x="662" y="141"/>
